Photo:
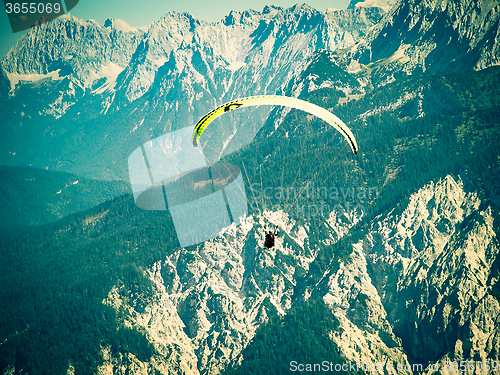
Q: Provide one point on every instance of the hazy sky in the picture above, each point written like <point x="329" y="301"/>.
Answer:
<point x="141" y="13"/>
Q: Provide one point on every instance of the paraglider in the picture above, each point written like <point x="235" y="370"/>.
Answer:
<point x="303" y="105"/>
<point x="270" y="237"/>
<point x="313" y="109"/>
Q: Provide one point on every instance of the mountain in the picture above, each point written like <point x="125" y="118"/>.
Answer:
<point x="32" y="197"/>
<point x="109" y="91"/>
<point x="384" y="261"/>
<point x="417" y="36"/>
<point x="78" y="57"/>
<point x="271" y="44"/>
<point x="203" y="306"/>
<point x="393" y="270"/>
<point x="384" y="4"/>
<point x="428" y="282"/>
<point x="388" y="284"/>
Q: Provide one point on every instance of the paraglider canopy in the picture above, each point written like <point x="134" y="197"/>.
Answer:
<point x="276" y="100"/>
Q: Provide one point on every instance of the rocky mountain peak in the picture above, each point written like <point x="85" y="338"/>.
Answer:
<point x="271" y="9"/>
<point x="83" y="51"/>
<point x="440" y="35"/>
<point x="384" y="4"/>
<point x="122" y="26"/>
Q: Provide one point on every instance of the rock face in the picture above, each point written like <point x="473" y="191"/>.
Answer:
<point x="85" y="53"/>
<point x="420" y="288"/>
<point x="417" y="36"/>
<point x="445" y="307"/>
<point x="422" y="282"/>
<point x="112" y="87"/>
<point x="245" y="51"/>
<point x="210" y="301"/>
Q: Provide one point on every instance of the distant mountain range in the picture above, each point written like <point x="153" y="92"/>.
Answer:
<point x="108" y="89"/>
<point x="388" y="258"/>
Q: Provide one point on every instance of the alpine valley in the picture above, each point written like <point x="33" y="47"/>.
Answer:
<point x="385" y="262"/>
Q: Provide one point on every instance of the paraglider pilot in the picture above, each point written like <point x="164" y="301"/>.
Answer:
<point x="270" y="236"/>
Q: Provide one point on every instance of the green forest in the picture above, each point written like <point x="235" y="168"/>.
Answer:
<point x="54" y="278"/>
<point x="31" y="196"/>
<point x="299" y="338"/>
